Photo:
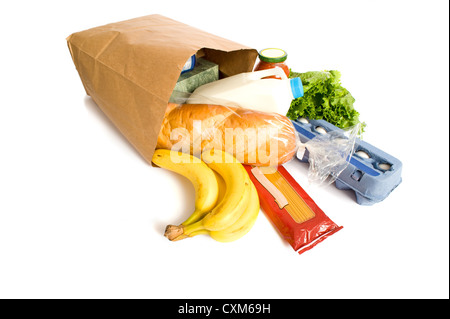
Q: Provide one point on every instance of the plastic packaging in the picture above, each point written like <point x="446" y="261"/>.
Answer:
<point x="250" y="90"/>
<point x="272" y="58"/>
<point x="329" y="153"/>
<point x="371" y="173"/>
<point x="300" y="222"/>
<point x="253" y="137"/>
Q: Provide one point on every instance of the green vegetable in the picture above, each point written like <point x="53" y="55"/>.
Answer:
<point x="325" y="98"/>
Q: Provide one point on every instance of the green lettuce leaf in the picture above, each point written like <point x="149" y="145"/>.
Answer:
<point x="325" y="98"/>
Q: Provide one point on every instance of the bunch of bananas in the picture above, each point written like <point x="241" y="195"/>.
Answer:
<point x="226" y="203"/>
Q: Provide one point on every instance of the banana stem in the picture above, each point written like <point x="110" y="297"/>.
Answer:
<point x="174" y="233"/>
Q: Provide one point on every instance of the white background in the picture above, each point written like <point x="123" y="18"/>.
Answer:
<point x="82" y="215"/>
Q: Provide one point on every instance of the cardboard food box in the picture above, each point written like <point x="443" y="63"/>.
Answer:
<point x="130" y="69"/>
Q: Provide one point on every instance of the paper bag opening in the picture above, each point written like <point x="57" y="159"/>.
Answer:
<point x="130" y="69"/>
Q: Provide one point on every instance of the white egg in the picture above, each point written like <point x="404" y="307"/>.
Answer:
<point x="321" y="130"/>
<point x="384" y="166"/>
<point x="303" y="120"/>
<point x="362" y="154"/>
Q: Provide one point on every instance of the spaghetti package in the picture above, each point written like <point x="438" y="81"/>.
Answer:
<point x="293" y="212"/>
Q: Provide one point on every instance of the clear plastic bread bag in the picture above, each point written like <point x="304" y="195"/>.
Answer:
<point x="255" y="138"/>
<point x="329" y="154"/>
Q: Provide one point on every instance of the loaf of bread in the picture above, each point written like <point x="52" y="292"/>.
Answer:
<point x="254" y="138"/>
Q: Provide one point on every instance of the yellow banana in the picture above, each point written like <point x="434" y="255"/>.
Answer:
<point x="238" y="229"/>
<point x="196" y="216"/>
<point x="234" y="202"/>
<point x="222" y="186"/>
<point x="201" y="176"/>
<point x="237" y="193"/>
<point x="243" y="225"/>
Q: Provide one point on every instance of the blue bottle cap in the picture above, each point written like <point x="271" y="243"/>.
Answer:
<point x="296" y="87"/>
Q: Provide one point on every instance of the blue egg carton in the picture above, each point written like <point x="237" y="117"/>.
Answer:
<point x="372" y="177"/>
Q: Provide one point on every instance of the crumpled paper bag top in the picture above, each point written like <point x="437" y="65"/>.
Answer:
<point x="130" y="68"/>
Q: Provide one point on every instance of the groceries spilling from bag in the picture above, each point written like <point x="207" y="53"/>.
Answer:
<point x="228" y="118"/>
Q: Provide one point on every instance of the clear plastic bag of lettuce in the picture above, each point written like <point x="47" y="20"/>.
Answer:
<point x="329" y="154"/>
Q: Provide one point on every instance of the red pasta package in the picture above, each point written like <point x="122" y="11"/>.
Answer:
<point x="293" y="212"/>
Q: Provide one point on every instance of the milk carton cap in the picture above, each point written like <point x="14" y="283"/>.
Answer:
<point x="296" y="87"/>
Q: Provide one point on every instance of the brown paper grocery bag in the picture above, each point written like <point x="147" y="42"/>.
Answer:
<point x="130" y="69"/>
